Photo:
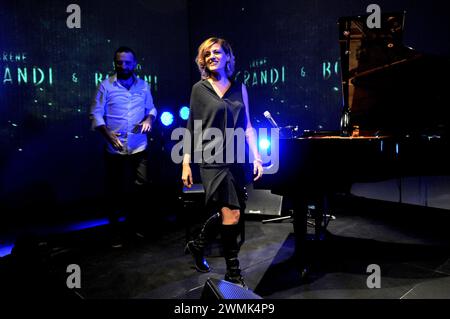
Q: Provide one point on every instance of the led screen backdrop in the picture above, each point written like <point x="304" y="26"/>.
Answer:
<point x="48" y="76"/>
<point x="286" y="52"/>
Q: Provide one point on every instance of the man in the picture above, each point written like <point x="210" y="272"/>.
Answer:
<point x="123" y="112"/>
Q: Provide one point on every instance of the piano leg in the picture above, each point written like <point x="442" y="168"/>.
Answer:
<point x="318" y="219"/>
<point x="321" y="217"/>
<point x="301" y="254"/>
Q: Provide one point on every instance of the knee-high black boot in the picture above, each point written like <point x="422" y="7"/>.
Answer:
<point x="197" y="246"/>
<point x="230" y="252"/>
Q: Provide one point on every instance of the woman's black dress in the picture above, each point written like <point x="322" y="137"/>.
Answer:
<point x="224" y="182"/>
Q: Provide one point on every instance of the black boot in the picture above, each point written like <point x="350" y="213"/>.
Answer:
<point x="197" y="246"/>
<point x="230" y="252"/>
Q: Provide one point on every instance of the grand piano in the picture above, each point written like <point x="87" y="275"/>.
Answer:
<point x="395" y="122"/>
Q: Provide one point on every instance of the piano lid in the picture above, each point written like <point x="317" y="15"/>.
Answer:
<point x="387" y="86"/>
<point x="367" y="48"/>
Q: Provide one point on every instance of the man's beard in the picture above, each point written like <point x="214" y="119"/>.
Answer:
<point x="124" y="75"/>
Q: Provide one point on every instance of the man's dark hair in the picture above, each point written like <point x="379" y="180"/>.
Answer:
<point x="125" y="49"/>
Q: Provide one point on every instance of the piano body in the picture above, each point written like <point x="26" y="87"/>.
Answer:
<point x="395" y="123"/>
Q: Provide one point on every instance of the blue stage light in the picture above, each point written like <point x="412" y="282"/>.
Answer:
<point x="6" y="250"/>
<point x="166" y="118"/>
<point x="184" y="112"/>
<point x="264" y="144"/>
<point x="85" y="225"/>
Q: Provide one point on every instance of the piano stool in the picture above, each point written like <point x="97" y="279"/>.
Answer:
<point x="315" y="217"/>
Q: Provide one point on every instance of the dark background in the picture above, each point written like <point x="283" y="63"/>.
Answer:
<point x="51" y="162"/>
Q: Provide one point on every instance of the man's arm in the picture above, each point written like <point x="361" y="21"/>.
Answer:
<point x="98" y="107"/>
<point x="97" y="114"/>
<point x="150" y="112"/>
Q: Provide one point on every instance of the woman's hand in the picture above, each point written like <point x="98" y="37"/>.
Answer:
<point x="186" y="176"/>
<point x="257" y="169"/>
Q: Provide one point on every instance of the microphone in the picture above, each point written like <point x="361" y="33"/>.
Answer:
<point x="270" y="119"/>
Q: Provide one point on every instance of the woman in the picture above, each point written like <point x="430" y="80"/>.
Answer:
<point x="217" y="102"/>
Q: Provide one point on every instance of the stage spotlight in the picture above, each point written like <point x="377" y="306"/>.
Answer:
<point x="166" y="118"/>
<point x="6" y="250"/>
<point x="184" y="112"/>
<point x="264" y="144"/>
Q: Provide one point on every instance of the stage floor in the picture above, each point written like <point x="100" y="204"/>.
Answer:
<point x="410" y="245"/>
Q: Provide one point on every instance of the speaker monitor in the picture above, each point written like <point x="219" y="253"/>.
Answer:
<point x="263" y="202"/>
<point x="215" y="289"/>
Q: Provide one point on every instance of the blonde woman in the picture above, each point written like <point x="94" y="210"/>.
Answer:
<point x="218" y="102"/>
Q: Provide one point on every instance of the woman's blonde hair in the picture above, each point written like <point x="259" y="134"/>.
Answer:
<point x="200" y="59"/>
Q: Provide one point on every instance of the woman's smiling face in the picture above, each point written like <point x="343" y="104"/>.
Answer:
<point x="216" y="58"/>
